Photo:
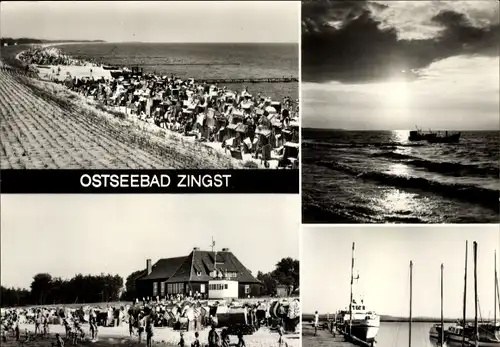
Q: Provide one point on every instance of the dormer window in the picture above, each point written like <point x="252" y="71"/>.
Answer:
<point x="198" y="273"/>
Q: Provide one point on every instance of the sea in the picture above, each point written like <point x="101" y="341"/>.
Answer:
<point x="397" y="335"/>
<point x="381" y="177"/>
<point x="205" y="60"/>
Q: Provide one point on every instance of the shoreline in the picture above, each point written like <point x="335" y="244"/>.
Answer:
<point x="97" y="70"/>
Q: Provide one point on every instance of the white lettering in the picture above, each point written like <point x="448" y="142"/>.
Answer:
<point x="88" y="180"/>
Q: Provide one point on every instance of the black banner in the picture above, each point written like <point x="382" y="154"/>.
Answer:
<point x="149" y="181"/>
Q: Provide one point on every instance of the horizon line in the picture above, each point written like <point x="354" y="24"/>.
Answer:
<point x="179" y="42"/>
<point x="344" y="129"/>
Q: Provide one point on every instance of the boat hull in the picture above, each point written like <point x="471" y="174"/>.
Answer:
<point x="364" y="330"/>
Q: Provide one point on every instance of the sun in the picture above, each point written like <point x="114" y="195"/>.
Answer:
<point x="396" y="94"/>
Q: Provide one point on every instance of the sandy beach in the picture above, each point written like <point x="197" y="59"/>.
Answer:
<point x="162" y="336"/>
<point x="47" y="126"/>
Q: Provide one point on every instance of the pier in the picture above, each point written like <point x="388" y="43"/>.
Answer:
<point x="325" y="338"/>
<point x="249" y="80"/>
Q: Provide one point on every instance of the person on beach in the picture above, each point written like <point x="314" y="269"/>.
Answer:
<point x="67" y="327"/>
<point x="196" y="342"/>
<point x="140" y="327"/>
<point x="59" y="341"/>
<point x="46" y="325"/>
<point x="149" y="330"/>
<point x="93" y="325"/>
<point x="213" y="337"/>
<point x="281" y="332"/>
<point x="181" y="342"/>
<point x="16" y="329"/>
<point x="224" y="338"/>
<point x="316" y="323"/>
<point x="241" y="342"/>
<point x="131" y="323"/>
<point x="38" y="321"/>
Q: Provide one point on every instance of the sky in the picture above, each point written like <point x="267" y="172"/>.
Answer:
<point x="390" y="65"/>
<point x="383" y="255"/>
<point x="64" y="235"/>
<point x="153" y="21"/>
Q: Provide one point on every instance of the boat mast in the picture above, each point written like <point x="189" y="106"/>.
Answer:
<point x="495" y="294"/>
<point x="352" y="282"/>
<point x="411" y="293"/>
<point x="476" y="326"/>
<point x="442" y="316"/>
<point x="465" y="294"/>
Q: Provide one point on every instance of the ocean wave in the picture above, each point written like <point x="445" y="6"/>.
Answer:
<point x="449" y="168"/>
<point x="485" y="197"/>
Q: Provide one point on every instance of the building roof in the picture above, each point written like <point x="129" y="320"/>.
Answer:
<point x="198" y="265"/>
<point x="164" y="268"/>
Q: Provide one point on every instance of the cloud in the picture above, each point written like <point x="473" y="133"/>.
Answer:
<point x="360" y="41"/>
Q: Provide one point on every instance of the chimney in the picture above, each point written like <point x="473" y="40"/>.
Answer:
<point x="225" y="250"/>
<point x="196" y="248"/>
<point x="149" y="268"/>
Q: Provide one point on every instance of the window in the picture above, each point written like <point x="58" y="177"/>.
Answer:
<point x="175" y="288"/>
<point x="202" y="288"/>
<point x="225" y="286"/>
<point x="162" y="288"/>
<point x="247" y="289"/>
<point x="155" y="288"/>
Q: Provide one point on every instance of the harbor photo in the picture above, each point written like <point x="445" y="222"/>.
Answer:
<point x="149" y="85"/>
<point x="412" y="286"/>
<point x="400" y="112"/>
<point x="141" y="271"/>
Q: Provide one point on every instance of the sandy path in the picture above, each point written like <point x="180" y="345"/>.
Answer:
<point x="38" y="130"/>
<point x="262" y="338"/>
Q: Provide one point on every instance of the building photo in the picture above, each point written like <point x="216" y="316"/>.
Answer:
<point x="184" y="266"/>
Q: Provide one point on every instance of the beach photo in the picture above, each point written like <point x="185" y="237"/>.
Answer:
<point x="400" y="111"/>
<point x="149" y="85"/>
<point x="412" y="286"/>
<point x="141" y="271"/>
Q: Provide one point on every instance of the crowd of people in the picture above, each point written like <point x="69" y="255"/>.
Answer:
<point x="181" y="314"/>
<point x="241" y="122"/>
<point x="40" y="55"/>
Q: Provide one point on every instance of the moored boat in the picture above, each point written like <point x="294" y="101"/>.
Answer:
<point x="357" y="321"/>
<point x="107" y="67"/>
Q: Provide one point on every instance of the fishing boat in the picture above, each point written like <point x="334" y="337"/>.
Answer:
<point x="108" y="67"/>
<point x="419" y="135"/>
<point x="479" y="334"/>
<point x="446" y="138"/>
<point x="357" y="321"/>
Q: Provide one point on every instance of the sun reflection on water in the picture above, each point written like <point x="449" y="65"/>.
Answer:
<point x="400" y="136"/>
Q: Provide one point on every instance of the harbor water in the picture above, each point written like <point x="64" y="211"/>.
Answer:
<point x="381" y="177"/>
<point x="397" y="335"/>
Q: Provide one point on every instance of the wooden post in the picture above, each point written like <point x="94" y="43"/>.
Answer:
<point x="465" y="294"/>
<point x="495" y="294"/>
<point x="411" y="294"/>
<point x="476" y="325"/>
<point x="442" y="314"/>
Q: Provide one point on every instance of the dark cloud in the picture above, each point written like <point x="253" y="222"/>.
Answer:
<point x="343" y="41"/>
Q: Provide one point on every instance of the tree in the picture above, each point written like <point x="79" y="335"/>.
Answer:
<point x="269" y="283"/>
<point x="40" y="287"/>
<point x="287" y="273"/>
<point x="130" y="289"/>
